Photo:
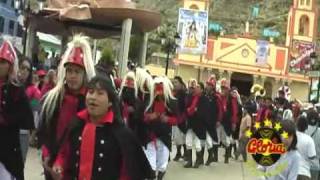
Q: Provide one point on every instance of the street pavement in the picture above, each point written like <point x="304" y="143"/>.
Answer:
<point x="235" y="170"/>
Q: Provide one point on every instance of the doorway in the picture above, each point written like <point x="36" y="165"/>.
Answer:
<point x="243" y="82"/>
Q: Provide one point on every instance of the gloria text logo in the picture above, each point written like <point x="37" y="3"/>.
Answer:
<point x="265" y="143"/>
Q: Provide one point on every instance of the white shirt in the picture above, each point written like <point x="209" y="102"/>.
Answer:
<point x="307" y="150"/>
<point x="315" y="131"/>
<point x="287" y="115"/>
<point x="290" y="159"/>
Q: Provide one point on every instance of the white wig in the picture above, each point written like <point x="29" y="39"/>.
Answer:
<point x="129" y="75"/>
<point x="51" y="99"/>
<point x="167" y="90"/>
<point x="142" y="77"/>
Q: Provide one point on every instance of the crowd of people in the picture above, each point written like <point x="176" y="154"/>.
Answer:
<point x="90" y="124"/>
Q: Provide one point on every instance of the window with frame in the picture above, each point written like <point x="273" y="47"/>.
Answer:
<point x="308" y="2"/>
<point x="20" y="31"/>
<point x="1" y="24"/>
<point x="11" y="27"/>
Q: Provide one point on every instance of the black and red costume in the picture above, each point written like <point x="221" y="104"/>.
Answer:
<point x="128" y="100"/>
<point x="15" y="114"/>
<point x="52" y="129"/>
<point x="107" y="150"/>
<point x="196" y="112"/>
<point x="230" y="113"/>
<point x="156" y="128"/>
<point x="181" y="96"/>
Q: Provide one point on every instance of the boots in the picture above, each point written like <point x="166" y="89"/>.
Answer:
<point x="215" y="150"/>
<point x="185" y="152"/>
<point x="244" y="156"/>
<point x="210" y="157"/>
<point x="227" y="155"/>
<point x="178" y="155"/>
<point x="153" y="175"/>
<point x="235" y="151"/>
<point x="188" y="154"/>
<point x="199" y="160"/>
<point x="161" y="175"/>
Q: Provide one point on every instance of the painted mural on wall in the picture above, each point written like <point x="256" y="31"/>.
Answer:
<point x="300" y="56"/>
<point x="193" y="30"/>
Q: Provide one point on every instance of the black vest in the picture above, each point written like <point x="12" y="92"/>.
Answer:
<point x="107" y="157"/>
<point x="17" y="112"/>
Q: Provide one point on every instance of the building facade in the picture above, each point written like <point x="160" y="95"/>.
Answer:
<point x="236" y="57"/>
<point x="9" y="25"/>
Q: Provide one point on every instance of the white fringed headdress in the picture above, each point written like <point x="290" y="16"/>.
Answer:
<point x="142" y="78"/>
<point x="51" y="99"/>
<point x="129" y="75"/>
<point x="167" y="90"/>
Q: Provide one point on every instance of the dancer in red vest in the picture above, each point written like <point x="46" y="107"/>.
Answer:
<point x="15" y="114"/>
<point x="62" y="103"/>
<point x="211" y="120"/>
<point x="160" y="116"/>
<point x="229" y="120"/>
<point x="196" y="128"/>
<point x="129" y="100"/>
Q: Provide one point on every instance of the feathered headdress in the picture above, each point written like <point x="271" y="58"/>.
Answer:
<point x="129" y="80"/>
<point x="78" y="51"/>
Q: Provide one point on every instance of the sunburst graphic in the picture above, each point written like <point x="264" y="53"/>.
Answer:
<point x="266" y="160"/>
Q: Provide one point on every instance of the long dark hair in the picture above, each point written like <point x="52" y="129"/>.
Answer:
<point x="106" y="84"/>
<point x="179" y="79"/>
<point x="289" y="127"/>
<point x="29" y="78"/>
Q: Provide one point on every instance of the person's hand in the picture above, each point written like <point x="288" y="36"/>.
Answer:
<point x="152" y="116"/>
<point x="164" y="118"/>
<point x="130" y="109"/>
<point x="45" y="164"/>
<point x="56" y="172"/>
<point x="218" y="124"/>
<point x="234" y="126"/>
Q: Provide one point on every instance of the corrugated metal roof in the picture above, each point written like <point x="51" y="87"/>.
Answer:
<point x="49" y="38"/>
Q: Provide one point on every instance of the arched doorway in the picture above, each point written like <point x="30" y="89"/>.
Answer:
<point x="243" y="82"/>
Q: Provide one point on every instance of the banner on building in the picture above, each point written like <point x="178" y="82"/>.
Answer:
<point x="193" y="30"/>
<point x="215" y="27"/>
<point x="300" y="56"/>
<point x="262" y="52"/>
<point x="270" y="33"/>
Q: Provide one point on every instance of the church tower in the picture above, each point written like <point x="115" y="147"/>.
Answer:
<point x="201" y="5"/>
<point x="302" y="22"/>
